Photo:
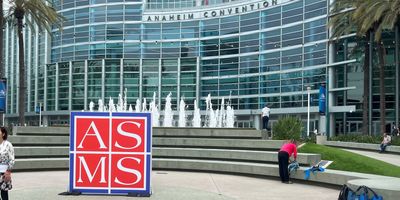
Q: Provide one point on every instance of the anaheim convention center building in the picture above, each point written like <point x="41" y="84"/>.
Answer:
<point x="249" y="52"/>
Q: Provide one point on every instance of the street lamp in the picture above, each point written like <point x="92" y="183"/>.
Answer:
<point x="308" y="111"/>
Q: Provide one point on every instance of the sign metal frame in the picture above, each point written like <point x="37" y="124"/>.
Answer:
<point x="146" y="154"/>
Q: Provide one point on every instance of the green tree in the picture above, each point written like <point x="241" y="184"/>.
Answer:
<point x="2" y="75"/>
<point x="288" y="128"/>
<point x="378" y="16"/>
<point x="366" y="17"/>
<point x="38" y="13"/>
<point x="1" y="40"/>
<point x="342" y="23"/>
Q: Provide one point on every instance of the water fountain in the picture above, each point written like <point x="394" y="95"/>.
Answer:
<point x="91" y="106"/>
<point x="154" y="112"/>
<point x="120" y="103"/>
<point x="101" y="105"/>
<point x="125" y="104"/>
<point x="130" y="108"/>
<point x="221" y="117"/>
<point x="196" y="122"/>
<point x="230" y="117"/>
<point x="168" y="114"/>
<point x="137" y="106"/>
<point x="144" y="105"/>
<point x="111" y="106"/>
<point x="182" y="114"/>
<point x="212" y="121"/>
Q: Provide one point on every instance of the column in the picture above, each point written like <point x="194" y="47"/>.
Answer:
<point x="85" y="101"/>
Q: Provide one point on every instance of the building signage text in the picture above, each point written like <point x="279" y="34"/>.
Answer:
<point x="213" y="13"/>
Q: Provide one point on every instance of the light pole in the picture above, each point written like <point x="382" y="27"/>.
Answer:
<point x="39" y="111"/>
<point x="308" y="111"/>
<point x="40" y="115"/>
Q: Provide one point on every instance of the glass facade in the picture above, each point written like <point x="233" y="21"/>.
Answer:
<point x="251" y="52"/>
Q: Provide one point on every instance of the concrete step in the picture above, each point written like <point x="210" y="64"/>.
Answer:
<point x="190" y="153"/>
<point x="44" y="131"/>
<point x="39" y="140"/>
<point x="362" y="146"/>
<point x="207" y="132"/>
<point x="36" y="164"/>
<point x="160" y="142"/>
<point x="39" y="151"/>
<point x="157" y="132"/>
<point x="218" y="143"/>
<point x="227" y="154"/>
<point x="333" y="177"/>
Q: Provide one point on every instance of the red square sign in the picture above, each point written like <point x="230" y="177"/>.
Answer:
<point x="110" y="153"/>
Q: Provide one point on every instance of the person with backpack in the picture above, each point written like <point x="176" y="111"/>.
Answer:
<point x="287" y="150"/>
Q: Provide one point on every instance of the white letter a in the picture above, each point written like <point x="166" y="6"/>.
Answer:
<point x="96" y="133"/>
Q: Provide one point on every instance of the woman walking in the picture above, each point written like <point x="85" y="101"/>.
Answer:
<point x="284" y="154"/>
<point x="6" y="163"/>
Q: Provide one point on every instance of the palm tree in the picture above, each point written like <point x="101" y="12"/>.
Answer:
<point x="378" y="16"/>
<point x="342" y="23"/>
<point x="1" y="39"/>
<point x="32" y="12"/>
<point x="2" y="75"/>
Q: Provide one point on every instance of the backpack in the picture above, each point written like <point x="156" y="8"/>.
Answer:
<point x="293" y="167"/>
<point x="347" y="193"/>
<point x="364" y="194"/>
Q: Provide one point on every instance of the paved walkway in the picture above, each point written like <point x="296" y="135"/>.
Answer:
<point x="169" y="185"/>
<point x="385" y="157"/>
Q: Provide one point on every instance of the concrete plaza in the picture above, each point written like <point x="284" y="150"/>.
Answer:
<point x="172" y="185"/>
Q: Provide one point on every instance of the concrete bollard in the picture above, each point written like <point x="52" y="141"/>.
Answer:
<point x="321" y="139"/>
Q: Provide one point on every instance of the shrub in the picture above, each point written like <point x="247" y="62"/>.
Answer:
<point x="374" y="139"/>
<point x="288" y="128"/>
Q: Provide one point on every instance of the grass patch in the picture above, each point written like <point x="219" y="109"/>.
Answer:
<point x="348" y="161"/>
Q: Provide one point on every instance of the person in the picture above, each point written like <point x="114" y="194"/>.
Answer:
<point x="385" y="142"/>
<point x="287" y="150"/>
<point x="6" y="163"/>
<point x="394" y="129"/>
<point x="265" y="116"/>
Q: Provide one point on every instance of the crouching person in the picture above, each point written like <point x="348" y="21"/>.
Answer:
<point x="287" y="150"/>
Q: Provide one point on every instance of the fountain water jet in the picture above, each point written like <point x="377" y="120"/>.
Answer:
<point x="168" y="114"/>
<point x="144" y="105"/>
<point x="101" y="105"/>
<point x="182" y="114"/>
<point x="154" y="112"/>
<point x="111" y="106"/>
<point x="130" y="108"/>
<point x="137" y="106"/>
<point x="196" y="122"/>
<point x="91" y="106"/>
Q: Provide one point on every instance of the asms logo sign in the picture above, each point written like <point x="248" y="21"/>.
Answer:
<point x="110" y="153"/>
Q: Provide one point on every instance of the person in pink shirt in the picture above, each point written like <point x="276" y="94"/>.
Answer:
<point x="287" y="150"/>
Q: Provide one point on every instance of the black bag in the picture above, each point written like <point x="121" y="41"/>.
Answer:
<point x="346" y="193"/>
<point x="364" y="194"/>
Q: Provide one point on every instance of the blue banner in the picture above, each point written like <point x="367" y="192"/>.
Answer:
<point x="322" y="100"/>
<point x="3" y="94"/>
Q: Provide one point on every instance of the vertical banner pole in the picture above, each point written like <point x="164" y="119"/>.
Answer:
<point x="3" y="97"/>
<point x="40" y="115"/>
<point x="308" y="111"/>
